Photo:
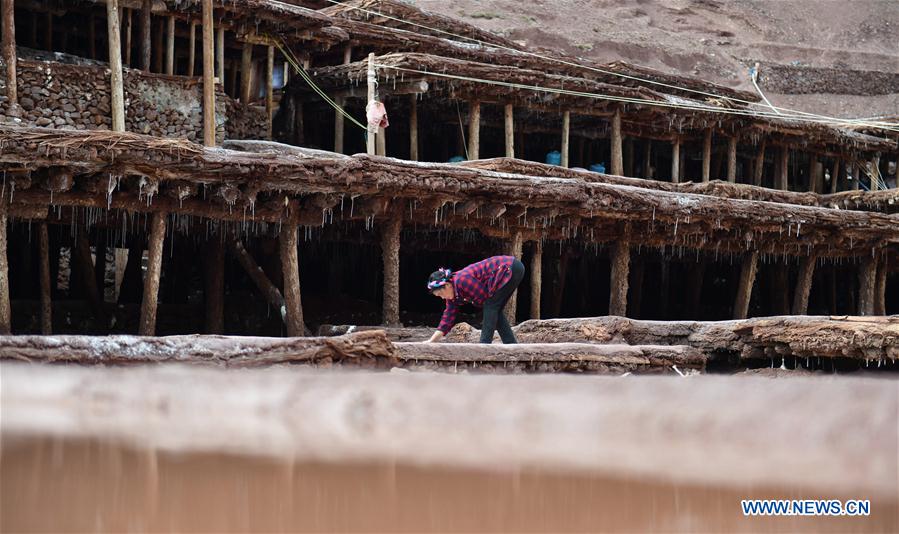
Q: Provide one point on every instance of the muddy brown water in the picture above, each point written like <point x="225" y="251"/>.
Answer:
<point x="66" y="485"/>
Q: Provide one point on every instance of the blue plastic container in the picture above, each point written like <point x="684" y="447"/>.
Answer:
<point x="456" y="159"/>
<point x="554" y="158"/>
<point x="598" y="167"/>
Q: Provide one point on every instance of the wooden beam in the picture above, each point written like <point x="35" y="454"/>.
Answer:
<point x="214" y="285"/>
<point x="287" y="241"/>
<point x="390" y="252"/>
<point x="867" y="279"/>
<point x="804" y="284"/>
<point x="675" y="161"/>
<point x="509" y="123"/>
<point x="617" y="160"/>
<point x="115" y="66"/>
<point x="536" y="279"/>
<point x="170" y="46"/>
<point x="5" y="312"/>
<point x="208" y="76"/>
<point x="150" y="302"/>
<point x="192" y="49"/>
<point x="566" y="125"/>
<point x="338" y="126"/>
<point x="759" y="164"/>
<point x="621" y="257"/>
<point x="747" y="280"/>
<point x="9" y="57"/>
<point x="732" y="159"/>
<point x="706" y="155"/>
<point x="372" y="81"/>
<point x="46" y="304"/>
<point x="413" y="127"/>
<point x="516" y="246"/>
<point x="474" y="130"/>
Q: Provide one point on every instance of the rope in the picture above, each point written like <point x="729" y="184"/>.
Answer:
<point x="462" y="131"/>
<point x="753" y="76"/>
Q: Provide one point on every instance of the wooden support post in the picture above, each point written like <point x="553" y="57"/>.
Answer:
<point x="220" y="54"/>
<point x="170" y="46"/>
<point x="287" y="241"/>
<point x="706" y="155"/>
<point x="854" y="170"/>
<point x="128" y="26"/>
<point x="246" y="72"/>
<point x="214" y="285"/>
<point x="372" y="82"/>
<point x="783" y="165"/>
<point x="5" y="312"/>
<point x="880" y="290"/>
<point x="269" y="89"/>
<point x="566" y="125"/>
<point x="867" y="280"/>
<point x="115" y="66"/>
<point x="413" y="127"/>
<point x="648" y="172"/>
<point x="9" y="57"/>
<point x="732" y="159"/>
<point x="192" y="49"/>
<point x="816" y="174"/>
<point x="146" y="30"/>
<point x="347" y="55"/>
<point x="621" y="258"/>
<point x="474" y="130"/>
<point x="390" y="252"/>
<point x="675" y="160"/>
<point x="509" y="116"/>
<point x="747" y="280"/>
<point x="82" y="255"/>
<point x="617" y="163"/>
<point x="381" y="142"/>
<point x="338" y="126"/>
<point x="804" y="284"/>
<point x="257" y="275"/>
<point x="835" y="176"/>
<point x="208" y="76"/>
<point x="149" y="302"/>
<point x="536" y="279"/>
<point x="515" y="249"/>
<point x="759" y="164"/>
<point x="46" y="303"/>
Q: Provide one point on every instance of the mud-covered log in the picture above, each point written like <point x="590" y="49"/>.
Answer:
<point x="226" y="351"/>
<point x="867" y="280"/>
<point x="287" y="242"/>
<point x="804" y="284"/>
<point x="149" y="301"/>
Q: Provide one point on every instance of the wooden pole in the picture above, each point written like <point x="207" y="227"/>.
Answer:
<point x="566" y="124"/>
<point x="617" y="160"/>
<point x="647" y="160"/>
<point x="128" y="26"/>
<point x="867" y="278"/>
<point x="5" y="312"/>
<point x="413" y="127"/>
<point x="381" y="142"/>
<point x="747" y="280"/>
<point x="115" y="66"/>
<point x="474" y="130"/>
<point x="146" y="29"/>
<point x="759" y="164"/>
<point x="214" y="285"/>
<point x="287" y="241"/>
<point x="170" y="46"/>
<point x="509" y="116"/>
<point x="855" y="171"/>
<point x="390" y="251"/>
<point x="536" y="279"/>
<point x="732" y="159"/>
<point x="257" y="275"/>
<point x="783" y="164"/>
<point x="880" y="290"/>
<point x="338" y="126"/>
<point x="835" y="176"/>
<point x="220" y="54"/>
<point x="804" y="284"/>
<point x="192" y="49"/>
<point x="154" y="269"/>
<point x="347" y="55"/>
<point x="372" y="82"/>
<point x="706" y="155"/>
<point x="9" y="57"/>
<point x="675" y="160"/>
<point x="82" y="255"/>
<point x="246" y="72"/>
<point x="208" y="76"/>
<point x="269" y="89"/>
<point x="515" y="249"/>
<point x="46" y="309"/>
<point x="621" y="258"/>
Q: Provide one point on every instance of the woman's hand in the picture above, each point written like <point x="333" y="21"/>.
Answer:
<point x="437" y="336"/>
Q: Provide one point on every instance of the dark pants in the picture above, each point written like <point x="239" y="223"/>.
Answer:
<point x="494" y="319"/>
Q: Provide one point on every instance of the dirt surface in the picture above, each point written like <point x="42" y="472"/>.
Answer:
<point x="709" y="39"/>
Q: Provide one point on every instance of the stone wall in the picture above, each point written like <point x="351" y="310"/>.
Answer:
<point x="57" y="95"/>
<point x="800" y="80"/>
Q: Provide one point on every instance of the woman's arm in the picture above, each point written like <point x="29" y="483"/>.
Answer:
<point x="435" y="337"/>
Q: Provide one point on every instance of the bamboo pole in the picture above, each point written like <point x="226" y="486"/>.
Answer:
<point x="617" y="162"/>
<point x="621" y="257"/>
<point x="372" y="82"/>
<point x="706" y="155"/>
<point x="9" y="57"/>
<point x="170" y="46"/>
<point x="214" y="285"/>
<point x="732" y="159"/>
<point x="747" y="280"/>
<point x="192" y="49"/>
<point x="149" y="303"/>
<point x="5" y="312"/>
<point x="46" y="304"/>
<point x="536" y="279"/>
<point x="338" y="126"/>
<point x="115" y="66"/>
<point x="413" y="127"/>
<point x="675" y="161"/>
<point x="509" y="116"/>
<point x="566" y="125"/>
<point x="474" y="130"/>
<point x="146" y="29"/>
<point x="246" y="72"/>
<point x="269" y="89"/>
<point x="390" y="251"/>
<point x="208" y="76"/>
<point x="515" y="249"/>
<point x="287" y="241"/>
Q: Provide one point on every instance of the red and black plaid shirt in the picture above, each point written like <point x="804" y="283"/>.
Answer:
<point x="475" y="284"/>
